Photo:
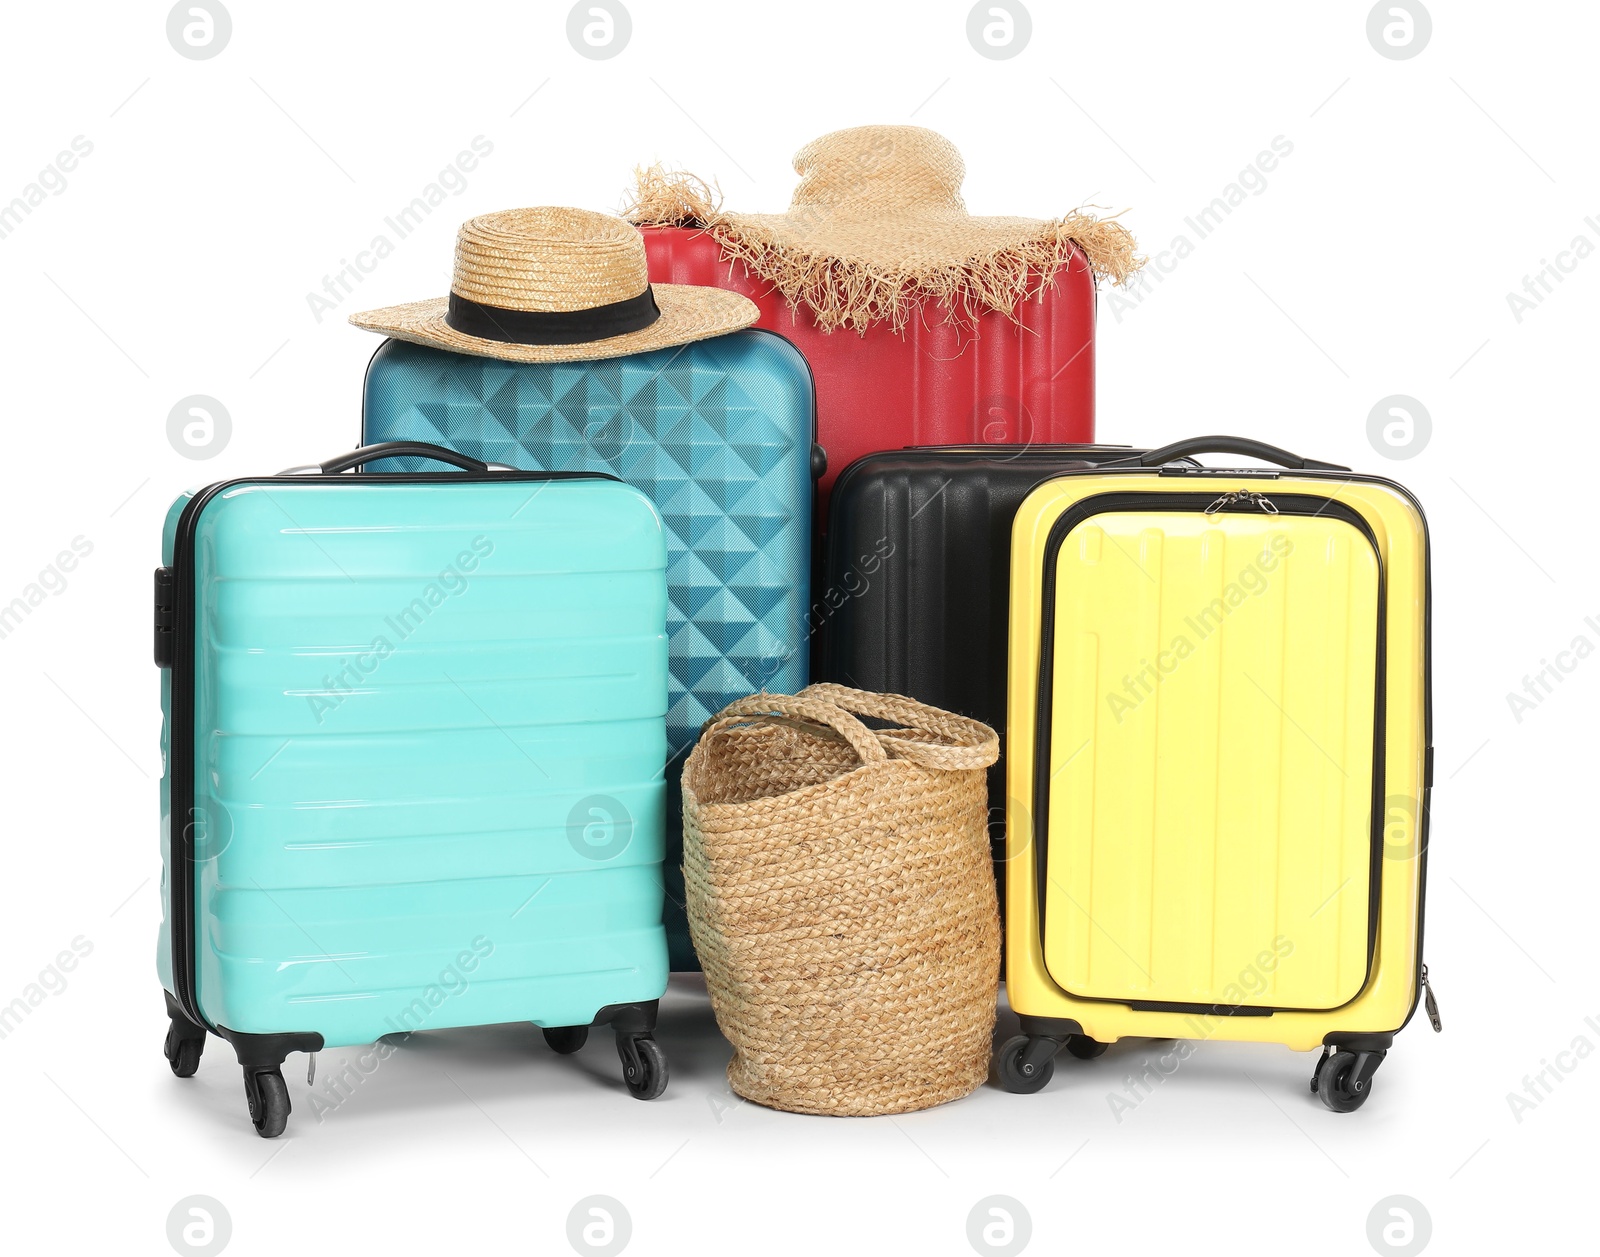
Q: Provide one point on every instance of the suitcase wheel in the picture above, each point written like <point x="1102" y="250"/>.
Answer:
<point x="1343" y="1080"/>
<point x="566" y="1039"/>
<point x="644" y="1066"/>
<point x="183" y="1047"/>
<point x="1085" y="1048"/>
<point x="1026" y="1063"/>
<point x="268" y="1095"/>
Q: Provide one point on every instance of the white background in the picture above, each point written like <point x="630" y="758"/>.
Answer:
<point x="1377" y="261"/>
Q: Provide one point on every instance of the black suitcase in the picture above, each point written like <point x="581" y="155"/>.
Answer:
<point x="916" y="580"/>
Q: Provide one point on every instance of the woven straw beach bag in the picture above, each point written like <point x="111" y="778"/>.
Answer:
<point x="842" y="900"/>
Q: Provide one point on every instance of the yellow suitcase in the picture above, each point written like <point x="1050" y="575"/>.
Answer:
<point x="1219" y="761"/>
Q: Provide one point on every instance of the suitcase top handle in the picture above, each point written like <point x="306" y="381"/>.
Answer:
<point x="1226" y="445"/>
<point x="401" y="449"/>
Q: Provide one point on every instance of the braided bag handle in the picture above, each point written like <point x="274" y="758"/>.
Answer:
<point x="967" y="743"/>
<point x="804" y="709"/>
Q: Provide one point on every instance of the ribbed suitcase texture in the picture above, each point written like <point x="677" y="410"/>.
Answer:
<point x="1253" y="650"/>
<point x="718" y="433"/>
<point x="412" y="705"/>
<point x="1000" y="381"/>
<point x="917" y="582"/>
<point x="1219" y="761"/>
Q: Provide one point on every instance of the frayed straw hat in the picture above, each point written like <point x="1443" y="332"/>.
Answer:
<point x="877" y="227"/>
<point x="558" y="285"/>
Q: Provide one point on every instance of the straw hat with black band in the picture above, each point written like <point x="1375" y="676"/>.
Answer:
<point x="558" y="285"/>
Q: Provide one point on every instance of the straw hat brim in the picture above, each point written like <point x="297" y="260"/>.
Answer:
<point x="688" y="313"/>
<point x="893" y="242"/>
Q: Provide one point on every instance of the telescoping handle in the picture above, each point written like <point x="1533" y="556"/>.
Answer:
<point x="1241" y="445"/>
<point x="405" y="449"/>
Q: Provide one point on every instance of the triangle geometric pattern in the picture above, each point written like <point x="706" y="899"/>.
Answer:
<point x="716" y="433"/>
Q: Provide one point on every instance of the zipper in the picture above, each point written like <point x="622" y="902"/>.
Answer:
<point x="1303" y="504"/>
<point x="1243" y="497"/>
<point x="1429" y="1003"/>
<point x="175" y="615"/>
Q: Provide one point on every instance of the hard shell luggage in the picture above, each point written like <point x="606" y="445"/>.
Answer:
<point x="1220" y="761"/>
<point x="414" y="732"/>
<point x="719" y="434"/>
<point x="915" y="590"/>
<point x="998" y="381"/>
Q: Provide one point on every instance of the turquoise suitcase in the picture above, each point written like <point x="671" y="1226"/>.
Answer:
<point x="720" y="433"/>
<point x="414" y="729"/>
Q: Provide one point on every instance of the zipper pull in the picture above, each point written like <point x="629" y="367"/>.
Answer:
<point x="311" y="1068"/>
<point x="1429" y="1003"/>
<point x="1243" y="495"/>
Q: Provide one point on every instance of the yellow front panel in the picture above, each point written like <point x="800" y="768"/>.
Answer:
<point x="1211" y="759"/>
<point x="1197" y="769"/>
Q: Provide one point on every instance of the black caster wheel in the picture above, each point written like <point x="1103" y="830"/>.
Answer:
<point x="268" y="1095"/>
<point x="566" y="1039"/>
<point x="1339" y="1083"/>
<point x="1021" y="1070"/>
<point x="183" y="1048"/>
<point x="1085" y="1048"/>
<point x="644" y="1066"/>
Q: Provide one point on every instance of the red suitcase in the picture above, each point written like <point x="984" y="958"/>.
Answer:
<point x="982" y="378"/>
<point x="995" y="383"/>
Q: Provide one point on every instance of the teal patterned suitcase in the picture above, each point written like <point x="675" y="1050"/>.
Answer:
<point x="414" y="731"/>
<point x="719" y="433"/>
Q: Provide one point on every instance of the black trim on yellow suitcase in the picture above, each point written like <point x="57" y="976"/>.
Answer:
<point x="1285" y="504"/>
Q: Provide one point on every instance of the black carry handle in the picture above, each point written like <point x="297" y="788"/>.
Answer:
<point x="1242" y="445"/>
<point x="401" y="449"/>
